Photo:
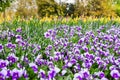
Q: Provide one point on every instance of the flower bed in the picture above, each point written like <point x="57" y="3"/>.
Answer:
<point x="71" y="55"/>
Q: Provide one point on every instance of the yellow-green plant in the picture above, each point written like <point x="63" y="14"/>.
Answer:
<point x="4" y="4"/>
<point x="101" y="8"/>
<point x="50" y="7"/>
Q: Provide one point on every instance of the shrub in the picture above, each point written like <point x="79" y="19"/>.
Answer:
<point x="4" y="4"/>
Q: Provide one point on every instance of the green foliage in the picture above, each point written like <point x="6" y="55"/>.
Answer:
<point x="117" y="12"/>
<point x="49" y="7"/>
<point x="80" y="9"/>
<point x="116" y="1"/>
<point x="70" y="8"/>
<point x="100" y="8"/>
<point x="4" y="4"/>
<point x="117" y="6"/>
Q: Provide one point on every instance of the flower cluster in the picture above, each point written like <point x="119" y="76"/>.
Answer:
<point x="72" y="53"/>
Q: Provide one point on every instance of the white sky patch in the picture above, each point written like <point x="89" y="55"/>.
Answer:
<point x="70" y="1"/>
<point x="66" y="1"/>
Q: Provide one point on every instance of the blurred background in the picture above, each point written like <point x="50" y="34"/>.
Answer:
<point x="27" y="9"/>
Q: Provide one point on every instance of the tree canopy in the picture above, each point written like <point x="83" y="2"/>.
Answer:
<point x="4" y="4"/>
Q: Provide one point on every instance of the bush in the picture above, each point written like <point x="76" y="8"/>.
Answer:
<point x="50" y="7"/>
<point x="118" y="12"/>
<point x="100" y="8"/>
<point x="4" y="4"/>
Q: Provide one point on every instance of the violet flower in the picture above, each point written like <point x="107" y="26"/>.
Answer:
<point x="18" y="30"/>
<point x="34" y="67"/>
<point x="12" y="58"/>
<point x="85" y="73"/>
<point x="47" y="35"/>
<point x="101" y="74"/>
<point x="115" y="74"/>
<point x="18" y="37"/>
<point x="16" y="74"/>
<point x="1" y="47"/>
<point x="3" y="74"/>
<point x="78" y="76"/>
<point x="10" y="45"/>
<point x="42" y="74"/>
<point x="51" y="74"/>
<point x="3" y="63"/>
<point x="63" y="72"/>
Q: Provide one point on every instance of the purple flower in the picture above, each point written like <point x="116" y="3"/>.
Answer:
<point x="87" y="55"/>
<point x="38" y="47"/>
<point x="85" y="73"/>
<point x="38" y="57"/>
<point x="10" y="45"/>
<point x="78" y="76"/>
<point x="85" y="48"/>
<point x="56" y="58"/>
<point x="19" y="65"/>
<point x="18" y="37"/>
<point x="18" y="30"/>
<point x="25" y="75"/>
<point x="53" y="71"/>
<point x="1" y="47"/>
<point x="3" y="63"/>
<point x="87" y="65"/>
<point x="117" y="62"/>
<point x="69" y="64"/>
<point x="112" y="67"/>
<point x="104" y="78"/>
<point x="101" y="74"/>
<point x="49" y="47"/>
<point x="73" y="61"/>
<point x="34" y="51"/>
<point x="81" y="40"/>
<point x="12" y="58"/>
<point x="51" y="74"/>
<point x="115" y="74"/>
<point x="8" y="73"/>
<point x="57" y="70"/>
<point x="77" y="66"/>
<point x="47" y="35"/>
<point x="3" y="74"/>
<point x="34" y="67"/>
<point x="77" y="51"/>
<point x="22" y="43"/>
<point x="42" y="74"/>
<point x="18" y="40"/>
<point x="78" y="28"/>
<point x="63" y="72"/>
<point x="25" y="59"/>
<point x="15" y="73"/>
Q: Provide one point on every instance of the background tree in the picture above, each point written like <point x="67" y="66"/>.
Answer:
<point x="50" y="7"/>
<point x="100" y="8"/>
<point x="4" y="4"/>
<point x="79" y="9"/>
<point x="117" y="6"/>
<point x="26" y="8"/>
